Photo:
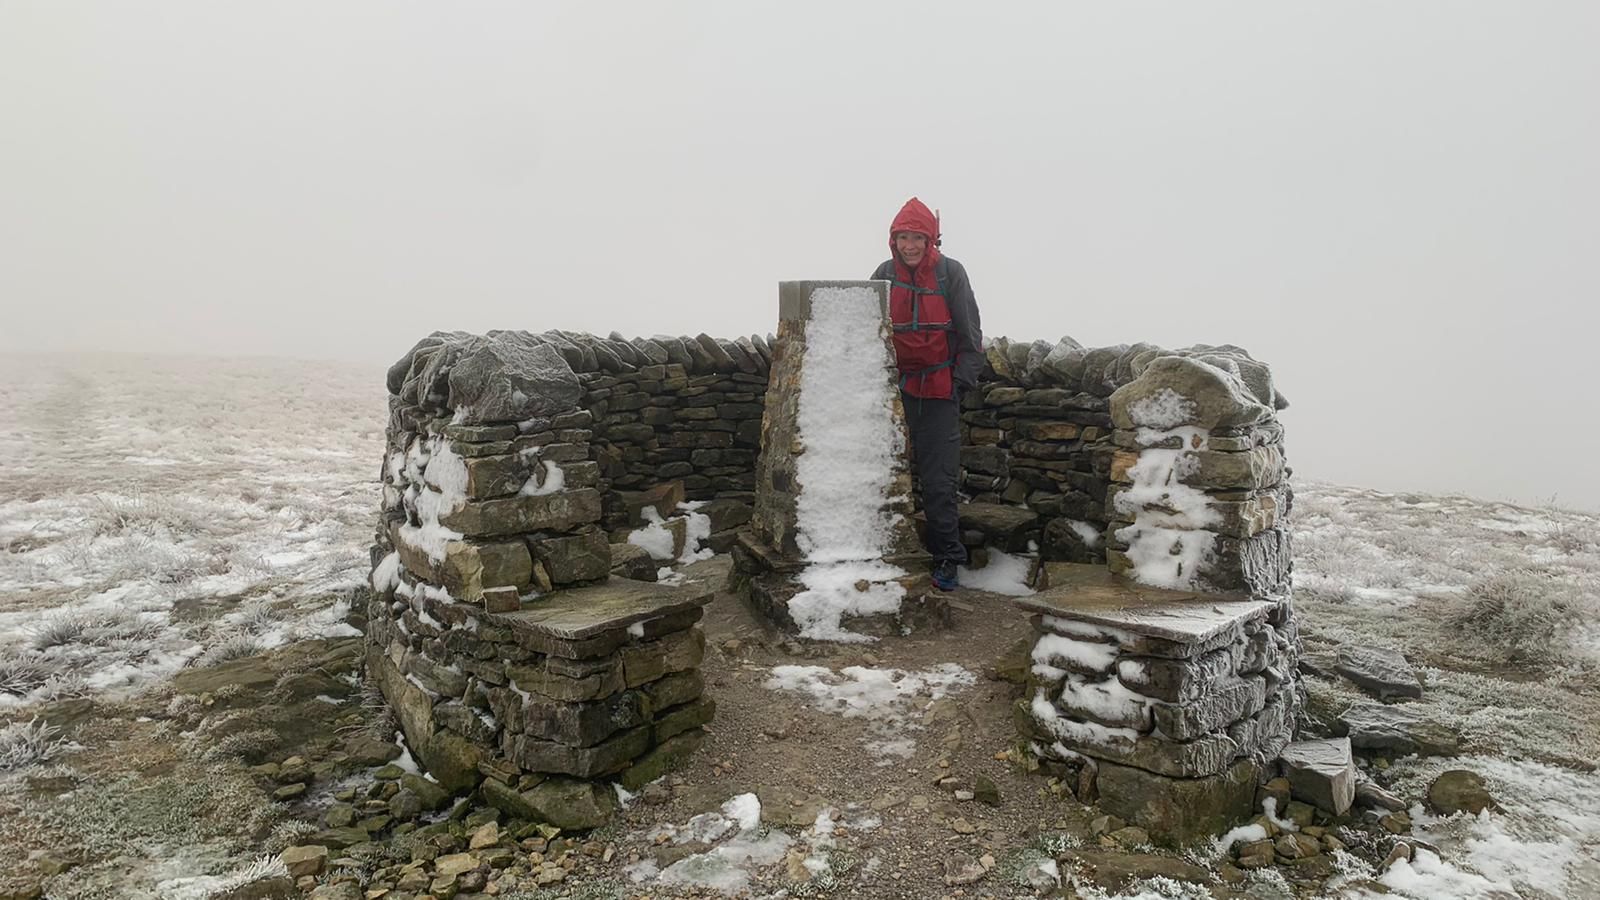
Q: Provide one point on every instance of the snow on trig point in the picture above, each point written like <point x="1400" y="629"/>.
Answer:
<point x="832" y="552"/>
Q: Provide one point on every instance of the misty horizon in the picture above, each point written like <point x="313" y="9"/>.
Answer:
<point x="1394" y="207"/>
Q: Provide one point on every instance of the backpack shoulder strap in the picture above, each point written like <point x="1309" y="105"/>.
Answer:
<point x="941" y="270"/>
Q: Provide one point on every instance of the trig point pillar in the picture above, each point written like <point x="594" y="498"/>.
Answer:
<point x="833" y="547"/>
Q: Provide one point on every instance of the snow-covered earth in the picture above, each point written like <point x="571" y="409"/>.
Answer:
<point x="162" y="512"/>
<point x="157" y="511"/>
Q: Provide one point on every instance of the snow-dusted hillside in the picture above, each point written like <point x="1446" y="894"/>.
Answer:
<point x="160" y="513"/>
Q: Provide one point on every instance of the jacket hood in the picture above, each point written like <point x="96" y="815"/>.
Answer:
<point x="916" y="216"/>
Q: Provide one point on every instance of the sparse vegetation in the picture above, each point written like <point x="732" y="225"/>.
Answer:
<point x="57" y="630"/>
<point x="236" y="645"/>
<point x="1522" y="614"/>
<point x="21" y="672"/>
<point x="24" y="744"/>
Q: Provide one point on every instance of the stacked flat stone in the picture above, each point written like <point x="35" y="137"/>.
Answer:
<point x="549" y="702"/>
<point x="517" y="532"/>
<point x="495" y="630"/>
<point x="1038" y="435"/>
<point x="1182" y="700"/>
<point x="1047" y="450"/>
<point x="768" y="556"/>
<point x="661" y="424"/>
<point x="664" y="408"/>
<point x="1199" y="474"/>
<point x="1173" y="667"/>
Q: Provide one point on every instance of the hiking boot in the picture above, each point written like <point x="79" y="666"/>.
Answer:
<point x="944" y="575"/>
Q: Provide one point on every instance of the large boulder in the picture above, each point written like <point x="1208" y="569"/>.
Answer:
<point x="1178" y="391"/>
<point x="1460" y="790"/>
<point x="506" y="379"/>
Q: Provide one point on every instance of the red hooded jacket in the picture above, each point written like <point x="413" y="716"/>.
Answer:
<point x="928" y="340"/>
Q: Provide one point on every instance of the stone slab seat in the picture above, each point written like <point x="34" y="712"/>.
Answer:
<point x="771" y="560"/>
<point x="1091" y="594"/>
<point x="580" y="623"/>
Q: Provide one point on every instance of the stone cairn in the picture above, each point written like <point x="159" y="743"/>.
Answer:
<point x="514" y="661"/>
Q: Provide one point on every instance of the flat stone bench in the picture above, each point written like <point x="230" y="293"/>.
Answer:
<point x="548" y="703"/>
<point x="1179" y="699"/>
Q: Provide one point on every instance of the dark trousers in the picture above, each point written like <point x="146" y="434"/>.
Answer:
<point x="936" y="447"/>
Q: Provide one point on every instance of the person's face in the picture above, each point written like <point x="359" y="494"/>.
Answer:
<point x="911" y="246"/>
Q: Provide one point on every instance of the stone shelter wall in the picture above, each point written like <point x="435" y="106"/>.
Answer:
<point x="513" y="659"/>
<point x="518" y="463"/>
<point x="1041" y="432"/>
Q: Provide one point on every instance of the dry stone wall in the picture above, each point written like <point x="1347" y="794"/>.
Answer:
<point x="1041" y="432"/>
<point x="511" y="656"/>
<point x="518" y="464"/>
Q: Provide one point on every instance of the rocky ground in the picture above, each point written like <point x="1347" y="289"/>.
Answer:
<point x="188" y="762"/>
<point x="281" y="753"/>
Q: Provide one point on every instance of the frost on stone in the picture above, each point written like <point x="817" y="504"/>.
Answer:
<point x="697" y="531"/>
<point x="653" y="537"/>
<point x="1182" y="389"/>
<point x="386" y="574"/>
<point x="1092" y="733"/>
<point x="729" y="866"/>
<point x="443" y="475"/>
<point x="1053" y="652"/>
<point x="507" y="377"/>
<point x="547" y="479"/>
<point x="851" y="447"/>
<point x="1167" y="543"/>
<point x="1089" y="534"/>
<point x="1163" y="410"/>
<point x="833" y="592"/>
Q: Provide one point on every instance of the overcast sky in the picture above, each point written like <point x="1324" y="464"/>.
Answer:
<point x="1396" y="204"/>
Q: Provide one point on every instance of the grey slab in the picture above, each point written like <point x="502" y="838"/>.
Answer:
<point x="574" y="614"/>
<point x="1091" y="594"/>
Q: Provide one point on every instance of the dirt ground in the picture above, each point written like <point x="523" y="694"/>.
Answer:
<point x="160" y="785"/>
<point x="778" y="746"/>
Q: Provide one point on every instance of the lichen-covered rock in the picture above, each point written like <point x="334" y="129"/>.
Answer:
<point x="1459" y="790"/>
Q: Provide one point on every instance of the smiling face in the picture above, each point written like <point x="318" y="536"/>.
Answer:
<point x="911" y="246"/>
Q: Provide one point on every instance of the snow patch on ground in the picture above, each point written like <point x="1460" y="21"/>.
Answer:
<point x="1545" y="839"/>
<point x="1005" y="574"/>
<point x="888" y="698"/>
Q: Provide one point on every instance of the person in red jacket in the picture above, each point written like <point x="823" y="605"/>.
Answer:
<point x="938" y="346"/>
